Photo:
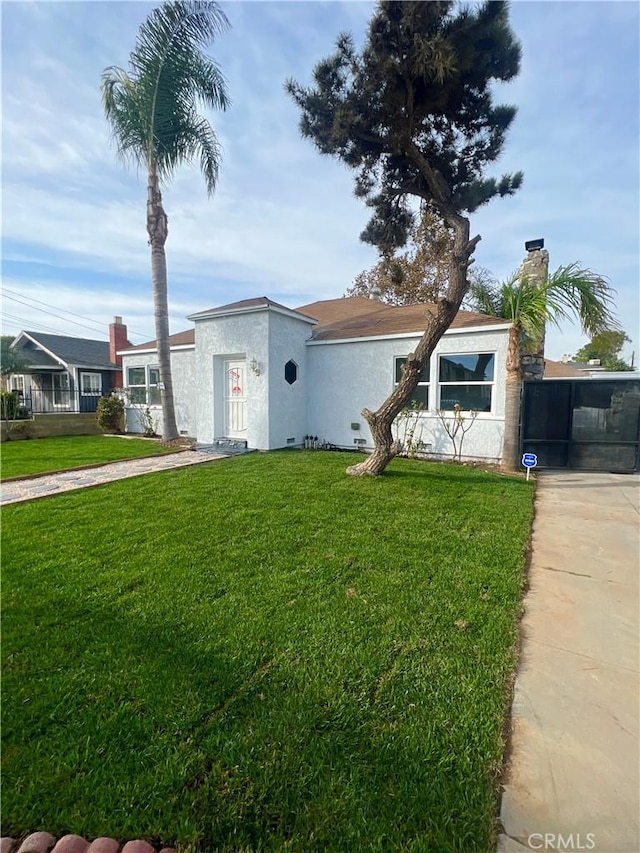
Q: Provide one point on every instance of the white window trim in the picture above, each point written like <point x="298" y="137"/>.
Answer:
<point x="93" y="376"/>
<point x="17" y="383"/>
<point x="63" y="406"/>
<point x="148" y="385"/>
<point x="421" y="383"/>
<point x="492" y="411"/>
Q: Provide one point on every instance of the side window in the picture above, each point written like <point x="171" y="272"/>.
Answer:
<point x="143" y="385"/>
<point x="91" y="384"/>
<point x="420" y="396"/>
<point x="154" y="391"/>
<point x="290" y="372"/>
<point x="137" y="384"/>
<point x="467" y="379"/>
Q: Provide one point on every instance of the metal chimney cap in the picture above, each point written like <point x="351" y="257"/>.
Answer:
<point x="532" y="245"/>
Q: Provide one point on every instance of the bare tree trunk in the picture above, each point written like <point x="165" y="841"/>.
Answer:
<point x="436" y="324"/>
<point x="512" y="403"/>
<point x="157" y="229"/>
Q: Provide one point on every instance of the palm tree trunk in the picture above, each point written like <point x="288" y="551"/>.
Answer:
<point x="381" y="421"/>
<point x="512" y="403"/>
<point x="157" y="229"/>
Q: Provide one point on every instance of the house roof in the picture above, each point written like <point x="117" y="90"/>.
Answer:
<point x="180" y="339"/>
<point x="260" y="303"/>
<point x="359" y="317"/>
<point x="241" y="305"/>
<point x="337" y="319"/>
<point x="82" y="352"/>
<point x="559" y="370"/>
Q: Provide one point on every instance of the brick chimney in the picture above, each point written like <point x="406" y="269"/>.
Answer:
<point x="535" y="267"/>
<point x="117" y="341"/>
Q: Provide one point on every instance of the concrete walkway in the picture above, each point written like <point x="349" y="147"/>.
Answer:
<point x="53" y="484"/>
<point x="573" y="776"/>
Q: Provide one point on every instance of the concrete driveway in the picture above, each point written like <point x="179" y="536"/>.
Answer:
<point x="573" y="774"/>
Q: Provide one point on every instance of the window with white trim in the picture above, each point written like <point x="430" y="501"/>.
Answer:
<point x="61" y="390"/>
<point x="143" y="385"/>
<point x="17" y="384"/>
<point x="91" y="384"/>
<point x="153" y="382"/>
<point x="420" y="394"/>
<point x="467" y="379"/>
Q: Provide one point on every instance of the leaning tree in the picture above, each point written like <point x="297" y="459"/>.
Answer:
<point x="412" y="114"/>
<point x="153" y="112"/>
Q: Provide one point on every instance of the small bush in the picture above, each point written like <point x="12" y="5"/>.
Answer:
<point x="110" y="414"/>
<point x="9" y="405"/>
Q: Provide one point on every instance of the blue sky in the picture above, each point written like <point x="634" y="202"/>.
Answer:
<point x="284" y="222"/>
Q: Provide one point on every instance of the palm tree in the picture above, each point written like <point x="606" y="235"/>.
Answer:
<point x="152" y="110"/>
<point x="569" y="293"/>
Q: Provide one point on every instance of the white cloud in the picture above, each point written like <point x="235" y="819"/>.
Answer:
<point x="284" y="222"/>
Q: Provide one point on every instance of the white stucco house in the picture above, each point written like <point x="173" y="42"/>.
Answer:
<point x="258" y="372"/>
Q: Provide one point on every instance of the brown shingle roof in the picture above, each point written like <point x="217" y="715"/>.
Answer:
<point x="347" y="317"/>
<point x="256" y="302"/>
<point x="559" y="370"/>
<point x="359" y="317"/>
<point x="177" y="340"/>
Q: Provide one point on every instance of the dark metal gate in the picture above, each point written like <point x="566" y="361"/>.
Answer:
<point x="588" y="424"/>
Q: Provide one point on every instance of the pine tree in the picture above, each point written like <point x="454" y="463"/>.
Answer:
<point x="412" y="114"/>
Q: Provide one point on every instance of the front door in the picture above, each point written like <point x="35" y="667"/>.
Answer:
<point x="235" y="399"/>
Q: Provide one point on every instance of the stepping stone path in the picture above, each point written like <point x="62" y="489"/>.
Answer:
<point x="15" y="491"/>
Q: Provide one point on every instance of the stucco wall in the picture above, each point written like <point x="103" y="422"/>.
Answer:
<point x="347" y="377"/>
<point x="287" y="403"/>
<point x="275" y="410"/>
<point x="185" y="392"/>
<point x="242" y="336"/>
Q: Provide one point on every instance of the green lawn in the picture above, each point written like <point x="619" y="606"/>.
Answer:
<point x="42" y="455"/>
<point x="262" y="654"/>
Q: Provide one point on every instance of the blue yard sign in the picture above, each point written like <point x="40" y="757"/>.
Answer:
<point x="529" y="460"/>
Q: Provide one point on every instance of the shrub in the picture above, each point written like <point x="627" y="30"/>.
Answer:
<point x="110" y="414"/>
<point x="9" y="406"/>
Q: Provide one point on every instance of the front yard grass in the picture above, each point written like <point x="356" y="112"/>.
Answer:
<point x="43" y="455"/>
<point x="262" y="654"/>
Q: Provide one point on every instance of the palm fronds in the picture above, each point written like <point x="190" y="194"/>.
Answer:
<point x="570" y="293"/>
<point x="153" y="107"/>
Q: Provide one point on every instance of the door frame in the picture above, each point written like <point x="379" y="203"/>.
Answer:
<point x="227" y="364"/>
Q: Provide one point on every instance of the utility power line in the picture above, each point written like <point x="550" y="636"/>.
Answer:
<point x="66" y="320"/>
<point x="51" y="314"/>
<point x="31" y="324"/>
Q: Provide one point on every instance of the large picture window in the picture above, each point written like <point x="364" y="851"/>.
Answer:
<point x="420" y="395"/>
<point x="467" y="379"/>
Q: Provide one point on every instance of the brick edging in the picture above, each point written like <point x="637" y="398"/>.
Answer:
<point x="44" y="842"/>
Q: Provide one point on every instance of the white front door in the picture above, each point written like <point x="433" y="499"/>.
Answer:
<point x="235" y="399"/>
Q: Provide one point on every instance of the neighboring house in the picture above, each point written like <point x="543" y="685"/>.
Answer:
<point x="258" y="372"/>
<point x="560" y="370"/>
<point x="67" y="374"/>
